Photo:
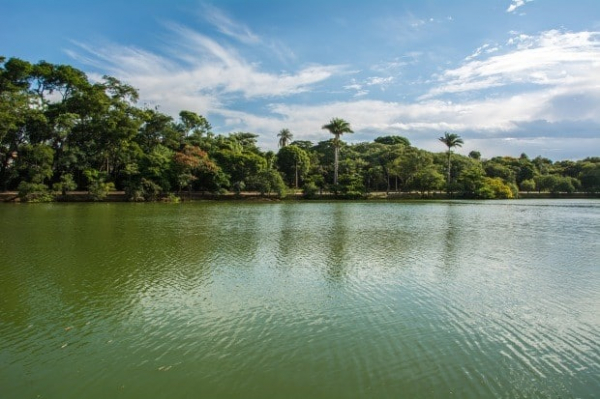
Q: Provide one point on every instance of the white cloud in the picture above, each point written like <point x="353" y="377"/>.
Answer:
<point x="553" y="58"/>
<point x="533" y="81"/>
<point x="379" y="81"/>
<point x="532" y="115"/>
<point x="477" y="52"/>
<point x="354" y="85"/>
<point x="561" y="69"/>
<point x="394" y="65"/>
<point x="228" y="26"/>
<point x="197" y="73"/>
<point x="359" y="87"/>
<point x="243" y="34"/>
<point x="516" y="4"/>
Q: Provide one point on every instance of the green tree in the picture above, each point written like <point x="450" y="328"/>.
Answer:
<point x="294" y="163"/>
<point x="566" y="185"/>
<point x="157" y="129"/>
<point x="393" y="140"/>
<point x="240" y="165"/>
<point x="194" y="127"/>
<point x="411" y="164"/>
<point x="247" y="141"/>
<point x="451" y="140"/>
<point x="66" y="184"/>
<point x="527" y="185"/>
<point x="496" y="167"/>
<point x="476" y="155"/>
<point x="472" y="180"/>
<point x="428" y="179"/>
<point x="268" y="181"/>
<point x="337" y="127"/>
<point x="285" y="137"/>
<point x="547" y="182"/>
<point x="98" y="187"/>
<point x="590" y="177"/>
<point x="35" y="163"/>
<point x="304" y="144"/>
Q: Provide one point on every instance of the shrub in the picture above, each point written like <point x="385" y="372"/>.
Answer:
<point x="66" y="184"/>
<point x="528" y="185"/>
<point x="98" y="188"/>
<point x="34" y="192"/>
<point x="310" y="190"/>
<point x="495" y="187"/>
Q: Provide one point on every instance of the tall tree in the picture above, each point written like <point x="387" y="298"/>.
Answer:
<point x="194" y="126"/>
<point x="294" y="163"/>
<point x="285" y="136"/>
<point x="337" y="127"/>
<point x="451" y="140"/>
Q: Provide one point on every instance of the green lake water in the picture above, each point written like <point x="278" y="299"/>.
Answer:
<point x="301" y="300"/>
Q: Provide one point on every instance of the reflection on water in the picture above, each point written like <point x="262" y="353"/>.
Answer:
<point x="362" y="299"/>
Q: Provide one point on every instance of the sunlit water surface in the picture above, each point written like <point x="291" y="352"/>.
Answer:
<point x="301" y="300"/>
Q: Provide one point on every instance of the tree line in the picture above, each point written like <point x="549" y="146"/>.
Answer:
<point x="61" y="132"/>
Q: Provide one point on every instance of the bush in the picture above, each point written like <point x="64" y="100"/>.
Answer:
<point x="352" y="195"/>
<point x="150" y="190"/>
<point x="564" y="185"/>
<point x="133" y="192"/>
<point x="495" y="188"/>
<point x="98" y="188"/>
<point x="485" y="192"/>
<point x="172" y="198"/>
<point x="66" y="184"/>
<point x="514" y="190"/>
<point x="528" y="185"/>
<point x="34" y="192"/>
<point x="269" y="181"/>
<point x="310" y="190"/>
<point x="352" y="186"/>
<point x="238" y="187"/>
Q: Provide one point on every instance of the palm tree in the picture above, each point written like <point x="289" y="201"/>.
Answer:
<point x="285" y="136"/>
<point x="451" y="140"/>
<point x="337" y="127"/>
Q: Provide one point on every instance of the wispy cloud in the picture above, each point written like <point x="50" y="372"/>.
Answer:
<point x="529" y="88"/>
<point x="197" y="72"/>
<point x="516" y="4"/>
<point x="360" y="87"/>
<point x="243" y="34"/>
<point x="553" y="58"/>
<point x="379" y="81"/>
<point x="228" y="26"/>
<point x="485" y="49"/>
<point x="527" y="119"/>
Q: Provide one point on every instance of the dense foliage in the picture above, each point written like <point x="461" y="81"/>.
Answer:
<point x="61" y="132"/>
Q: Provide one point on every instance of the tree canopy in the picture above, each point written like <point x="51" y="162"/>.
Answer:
<point x="61" y="132"/>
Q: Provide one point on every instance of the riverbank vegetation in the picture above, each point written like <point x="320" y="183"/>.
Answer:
<point x="62" y="132"/>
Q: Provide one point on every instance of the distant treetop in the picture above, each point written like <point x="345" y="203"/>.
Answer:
<point x="392" y="140"/>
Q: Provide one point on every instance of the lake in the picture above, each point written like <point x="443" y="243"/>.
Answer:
<point x="465" y="299"/>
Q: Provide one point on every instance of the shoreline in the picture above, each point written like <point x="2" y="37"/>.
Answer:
<point x="119" y="196"/>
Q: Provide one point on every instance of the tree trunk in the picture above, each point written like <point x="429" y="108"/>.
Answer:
<point x="296" y="167"/>
<point x="448" y="183"/>
<point x="387" y="188"/>
<point x="335" y="164"/>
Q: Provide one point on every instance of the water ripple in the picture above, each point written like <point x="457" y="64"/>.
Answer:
<point x="467" y="299"/>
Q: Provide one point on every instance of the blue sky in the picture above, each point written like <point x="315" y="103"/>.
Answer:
<point x="509" y="76"/>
